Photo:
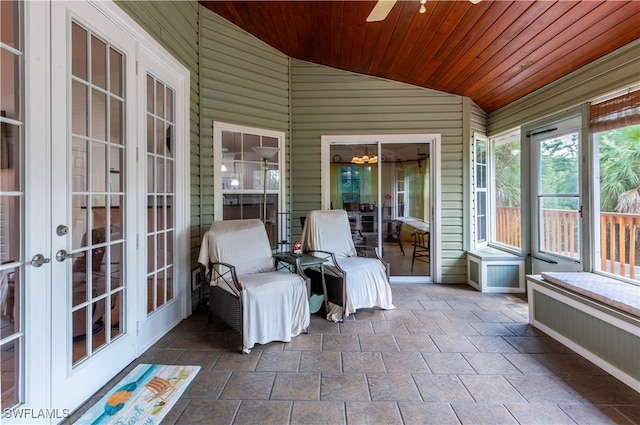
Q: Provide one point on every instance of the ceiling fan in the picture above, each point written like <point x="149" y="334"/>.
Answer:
<point x="383" y="7"/>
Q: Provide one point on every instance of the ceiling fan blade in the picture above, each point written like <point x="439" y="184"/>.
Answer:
<point x="380" y="10"/>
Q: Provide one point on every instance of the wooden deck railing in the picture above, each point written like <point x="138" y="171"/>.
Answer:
<point x="619" y="237"/>
<point x="619" y="243"/>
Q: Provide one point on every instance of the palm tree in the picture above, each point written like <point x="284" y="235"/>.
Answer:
<point x="620" y="170"/>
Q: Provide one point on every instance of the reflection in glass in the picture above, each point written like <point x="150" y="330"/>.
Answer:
<point x="98" y="168"/>
<point x="115" y="76"/>
<point x="160" y="137"/>
<point x="115" y="166"/>
<point x="169" y="211"/>
<point x="10" y="360"/>
<point x="159" y="99"/>
<point x="79" y="165"/>
<point x="160" y="289"/>
<point x="151" y="243"/>
<point x="117" y="270"/>
<point x="160" y="174"/>
<point x="98" y="62"/>
<point x="151" y="293"/>
<point x="161" y="212"/>
<point x="10" y="160"/>
<point x="79" y="329"/>
<point x="151" y="223"/>
<point x="80" y="106"/>
<point x="150" y="173"/>
<point x="79" y="48"/>
<point x="80" y="278"/>
<point x="169" y="284"/>
<point x="10" y="99"/>
<point x="160" y="247"/>
<point x="117" y="314"/>
<point x="10" y="28"/>
<point x="116" y="110"/>
<point x="170" y="106"/>
<point x="150" y="134"/>
<point x="98" y="115"/>
<point x="170" y="176"/>
<point x="80" y="220"/>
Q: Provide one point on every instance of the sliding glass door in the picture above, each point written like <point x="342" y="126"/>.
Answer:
<point x="385" y="187"/>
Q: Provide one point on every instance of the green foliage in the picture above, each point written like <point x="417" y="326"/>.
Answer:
<point x="620" y="170"/>
<point x="507" y="170"/>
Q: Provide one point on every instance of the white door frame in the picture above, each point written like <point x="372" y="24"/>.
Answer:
<point x="37" y="130"/>
<point x="434" y="141"/>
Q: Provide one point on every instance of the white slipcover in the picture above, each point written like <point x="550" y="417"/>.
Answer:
<point x="275" y="304"/>
<point x="367" y="283"/>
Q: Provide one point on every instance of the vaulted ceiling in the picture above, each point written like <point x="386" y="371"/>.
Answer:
<point x="494" y="52"/>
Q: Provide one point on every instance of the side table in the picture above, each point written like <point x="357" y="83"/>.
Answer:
<point x="289" y="260"/>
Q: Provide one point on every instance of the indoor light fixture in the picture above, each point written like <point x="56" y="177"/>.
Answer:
<point x="364" y="159"/>
<point x="422" y="8"/>
<point x="265" y="153"/>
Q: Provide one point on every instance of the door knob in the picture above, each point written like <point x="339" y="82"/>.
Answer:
<point x="38" y="260"/>
<point x="63" y="255"/>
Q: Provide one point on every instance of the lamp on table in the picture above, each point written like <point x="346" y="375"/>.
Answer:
<point x="265" y="153"/>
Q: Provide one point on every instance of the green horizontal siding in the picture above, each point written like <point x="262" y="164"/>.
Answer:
<point x="243" y="81"/>
<point x="328" y="101"/>
<point x="175" y="26"/>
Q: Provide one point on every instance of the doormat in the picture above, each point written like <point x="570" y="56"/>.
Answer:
<point x="144" y="396"/>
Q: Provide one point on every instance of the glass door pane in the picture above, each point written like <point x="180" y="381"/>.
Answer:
<point x="354" y="188"/>
<point x="556" y="205"/>
<point x="160" y="113"/>
<point x="619" y="218"/>
<point x="406" y="199"/>
<point x="97" y="193"/>
<point x="558" y="197"/>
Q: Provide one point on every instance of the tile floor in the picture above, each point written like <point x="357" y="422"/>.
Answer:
<point x="446" y="355"/>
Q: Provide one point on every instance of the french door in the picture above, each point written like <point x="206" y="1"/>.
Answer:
<point x="556" y="211"/>
<point x="93" y="202"/>
<point x="93" y="197"/>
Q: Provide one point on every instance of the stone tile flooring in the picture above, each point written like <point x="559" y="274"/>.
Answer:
<point x="446" y="355"/>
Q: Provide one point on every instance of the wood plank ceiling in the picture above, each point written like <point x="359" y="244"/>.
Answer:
<point x="494" y="52"/>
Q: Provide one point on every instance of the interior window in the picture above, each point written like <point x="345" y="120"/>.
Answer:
<point x="252" y="186"/>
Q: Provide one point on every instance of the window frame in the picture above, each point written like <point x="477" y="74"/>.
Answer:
<point x="498" y="140"/>
<point x="481" y="243"/>
<point x="218" y="129"/>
